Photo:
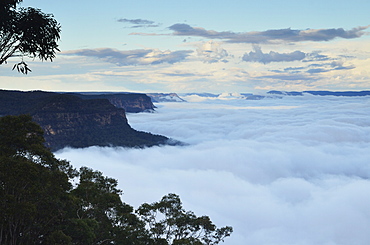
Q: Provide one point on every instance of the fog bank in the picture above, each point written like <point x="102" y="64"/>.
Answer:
<point x="280" y="171"/>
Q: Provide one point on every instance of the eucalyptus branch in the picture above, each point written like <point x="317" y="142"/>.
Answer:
<point x="27" y="32"/>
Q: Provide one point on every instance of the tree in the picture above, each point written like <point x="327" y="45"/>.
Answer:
<point x="101" y="209"/>
<point x="40" y="205"/>
<point x="26" y="32"/>
<point x="20" y="137"/>
<point x="34" y="185"/>
<point x="169" y="223"/>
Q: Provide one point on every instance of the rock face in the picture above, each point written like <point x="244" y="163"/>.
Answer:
<point x="131" y="102"/>
<point x="68" y="120"/>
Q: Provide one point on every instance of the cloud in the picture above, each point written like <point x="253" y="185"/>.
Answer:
<point x="178" y="73"/>
<point x="137" y="23"/>
<point x="320" y="65"/>
<point x="259" y="56"/>
<point x="329" y="66"/>
<point x="280" y="171"/>
<point x="317" y="70"/>
<point x="289" y="77"/>
<point x="211" y="52"/>
<point x="293" y="69"/>
<point x="133" y="57"/>
<point x="338" y="65"/>
<point x="269" y="36"/>
<point x="316" y="56"/>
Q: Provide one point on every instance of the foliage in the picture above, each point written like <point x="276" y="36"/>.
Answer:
<point x="26" y="32"/>
<point x="40" y="205"/>
<point x="34" y="185"/>
<point x="178" y="226"/>
<point x="21" y="138"/>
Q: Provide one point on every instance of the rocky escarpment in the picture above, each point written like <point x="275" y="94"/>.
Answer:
<point x="131" y="102"/>
<point x="68" y="120"/>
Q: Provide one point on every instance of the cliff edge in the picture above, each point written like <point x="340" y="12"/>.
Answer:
<point x="68" y="120"/>
<point x="131" y="102"/>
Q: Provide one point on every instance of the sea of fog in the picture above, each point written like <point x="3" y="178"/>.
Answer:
<point x="290" y="171"/>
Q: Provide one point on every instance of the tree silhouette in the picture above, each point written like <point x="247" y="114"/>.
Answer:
<point x="26" y="32"/>
<point x="169" y="224"/>
<point x="34" y="185"/>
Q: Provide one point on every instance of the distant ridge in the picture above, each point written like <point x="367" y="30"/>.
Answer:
<point x="273" y="94"/>
<point x="322" y="93"/>
<point x="165" y="97"/>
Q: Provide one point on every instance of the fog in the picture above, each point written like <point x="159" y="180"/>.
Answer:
<point x="280" y="171"/>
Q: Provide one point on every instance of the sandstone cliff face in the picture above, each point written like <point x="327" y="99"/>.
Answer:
<point x="132" y="102"/>
<point x="71" y="121"/>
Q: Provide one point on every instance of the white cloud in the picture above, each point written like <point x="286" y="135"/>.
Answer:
<point x="212" y="52"/>
<point x="280" y="171"/>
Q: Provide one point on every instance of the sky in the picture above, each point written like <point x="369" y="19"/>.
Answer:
<point x="202" y="46"/>
<point x="291" y="171"/>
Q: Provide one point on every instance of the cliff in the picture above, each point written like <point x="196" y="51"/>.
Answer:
<point x="68" y="120"/>
<point x="131" y="102"/>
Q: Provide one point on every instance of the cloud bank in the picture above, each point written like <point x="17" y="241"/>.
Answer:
<point x="265" y="58"/>
<point x="280" y="171"/>
<point x="269" y="36"/>
<point x="133" y="57"/>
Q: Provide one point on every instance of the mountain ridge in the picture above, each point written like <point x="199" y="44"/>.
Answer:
<point x="274" y="94"/>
